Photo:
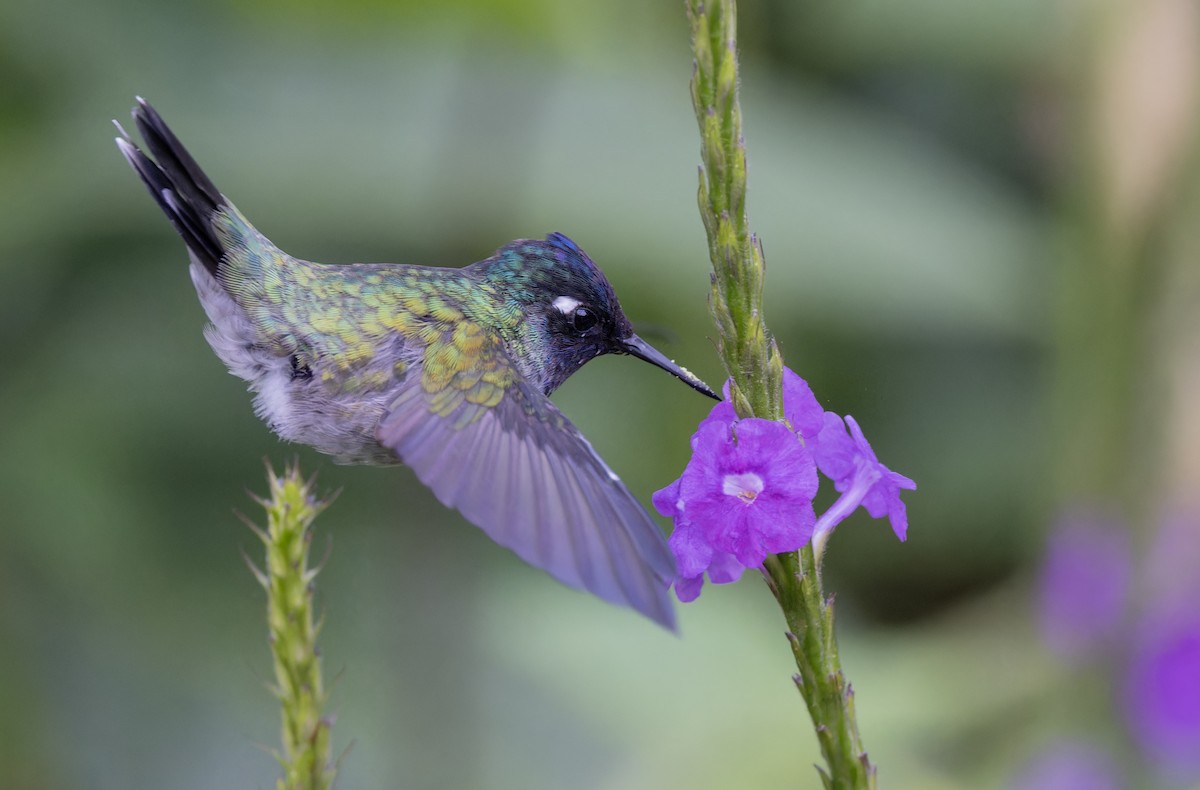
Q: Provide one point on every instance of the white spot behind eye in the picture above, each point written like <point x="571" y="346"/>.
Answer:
<point x="565" y="304"/>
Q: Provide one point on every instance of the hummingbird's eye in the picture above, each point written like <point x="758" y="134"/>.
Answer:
<point x="583" y="319"/>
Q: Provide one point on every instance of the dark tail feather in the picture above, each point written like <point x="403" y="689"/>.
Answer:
<point x="176" y="183"/>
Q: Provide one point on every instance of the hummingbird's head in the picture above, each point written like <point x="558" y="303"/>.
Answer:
<point x="572" y="312"/>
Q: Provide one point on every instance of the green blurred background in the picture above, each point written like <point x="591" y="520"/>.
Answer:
<point x="959" y="202"/>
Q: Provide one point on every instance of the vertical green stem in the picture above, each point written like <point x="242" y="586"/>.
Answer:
<point x="756" y="369"/>
<point x="288" y="580"/>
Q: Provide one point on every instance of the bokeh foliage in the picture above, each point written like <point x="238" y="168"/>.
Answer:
<point x="916" y="172"/>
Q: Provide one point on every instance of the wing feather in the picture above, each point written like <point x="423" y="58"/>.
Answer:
<point x="587" y="548"/>
<point x="525" y="475"/>
<point x="619" y="544"/>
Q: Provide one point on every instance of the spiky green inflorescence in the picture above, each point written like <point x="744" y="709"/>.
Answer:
<point x="747" y="348"/>
<point x="756" y="369"/>
<point x="306" y="751"/>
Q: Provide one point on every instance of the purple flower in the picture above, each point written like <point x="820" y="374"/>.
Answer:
<point x="1173" y="559"/>
<point x="800" y="407"/>
<point x="722" y="413"/>
<point x="749" y="488"/>
<point x="746" y="492"/>
<point x="850" y="463"/>
<point x="1069" y="765"/>
<point x="1162" y="689"/>
<point x="723" y="569"/>
<point x="693" y="557"/>
<point x="1085" y="582"/>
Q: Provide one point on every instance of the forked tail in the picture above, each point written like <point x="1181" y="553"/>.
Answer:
<point x="177" y="184"/>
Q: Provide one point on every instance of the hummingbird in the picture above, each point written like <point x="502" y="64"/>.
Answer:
<point x="445" y="370"/>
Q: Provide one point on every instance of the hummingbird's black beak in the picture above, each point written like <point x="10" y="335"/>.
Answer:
<point x="639" y="348"/>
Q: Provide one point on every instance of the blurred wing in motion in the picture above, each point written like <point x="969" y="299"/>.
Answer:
<point x="500" y="452"/>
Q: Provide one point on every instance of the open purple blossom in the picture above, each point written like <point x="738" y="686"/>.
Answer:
<point x="849" y="461"/>
<point x="749" y="489"/>
<point x="800" y="407"/>
<point x="693" y="557"/>
<point x="1162" y="688"/>
<point x="747" y="492"/>
<point x="1084" y="582"/>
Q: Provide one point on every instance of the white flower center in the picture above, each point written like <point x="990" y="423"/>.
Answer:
<point x="746" y="486"/>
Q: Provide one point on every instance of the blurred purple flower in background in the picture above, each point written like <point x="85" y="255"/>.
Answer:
<point x="1172" y="563"/>
<point x="1162" y="687"/>
<point x="1069" y="765"/>
<point x="1085" y="582"/>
